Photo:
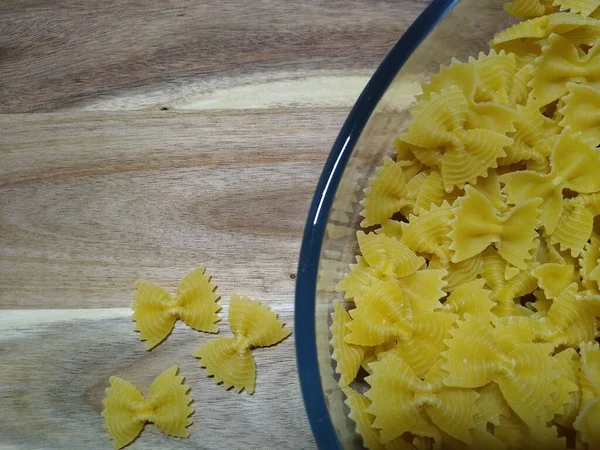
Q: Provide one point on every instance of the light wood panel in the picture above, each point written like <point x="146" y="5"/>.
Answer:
<point x="128" y="54"/>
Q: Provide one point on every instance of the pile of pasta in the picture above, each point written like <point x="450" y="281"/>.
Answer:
<point x="473" y="308"/>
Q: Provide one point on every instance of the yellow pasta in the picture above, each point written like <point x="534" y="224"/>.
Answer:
<point x="562" y="62"/>
<point x="472" y="299"/>
<point x="531" y="141"/>
<point x="388" y="256"/>
<point x="459" y="273"/>
<point x="230" y="360"/>
<point x="385" y="314"/>
<point x="441" y="123"/>
<point x="126" y="410"/>
<point x="428" y="232"/>
<point x="574" y="226"/>
<point x="492" y="84"/>
<point x="476" y="309"/>
<point x="583" y="7"/>
<point x="347" y="356"/>
<point x="554" y="277"/>
<point x="386" y="194"/>
<point x="581" y="112"/>
<point x="398" y="397"/>
<point x="359" y="404"/>
<point x="574" y="27"/>
<point x="529" y="8"/>
<point x="588" y="420"/>
<point x="431" y="192"/>
<point x="521" y="368"/>
<point x="590" y="265"/>
<point x="568" y="398"/>
<point x="477" y="225"/>
<point x="573" y="165"/>
<point x="569" y="320"/>
<point x="155" y="311"/>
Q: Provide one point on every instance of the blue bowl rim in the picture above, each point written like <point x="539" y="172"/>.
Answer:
<point x="306" y="280"/>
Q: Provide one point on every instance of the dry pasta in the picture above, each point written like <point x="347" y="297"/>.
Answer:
<point x="126" y="410"/>
<point x="230" y="360"/>
<point x="155" y="311"/>
<point x="474" y="304"/>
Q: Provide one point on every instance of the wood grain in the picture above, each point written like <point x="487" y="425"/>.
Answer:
<point x="159" y="136"/>
<point x="126" y="54"/>
<point x="89" y="203"/>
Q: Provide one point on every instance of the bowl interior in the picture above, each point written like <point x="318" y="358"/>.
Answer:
<point x="464" y="31"/>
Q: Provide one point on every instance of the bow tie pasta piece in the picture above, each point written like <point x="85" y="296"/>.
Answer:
<point x="347" y="356"/>
<point x="590" y="265"/>
<point x="361" y="276"/>
<point x="386" y="314"/>
<point x="477" y="225"/>
<point x="562" y="62"/>
<point x="398" y="397"/>
<point x="518" y="435"/>
<point x="581" y="112"/>
<point x="155" y="311"/>
<point x="587" y="422"/>
<point x="574" y="226"/>
<point x="532" y="138"/>
<point x="386" y="194"/>
<point x="388" y="256"/>
<point x="428" y="231"/>
<point x="440" y="124"/>
<point x="167" y="406"/>
<point x="423" y="288"/>
<point x="582" y="7"/>
<point x="522" y="370"/>
<point x="459" y="273"/>
<point x="569" y="321"/>
<point x="358" y="405"/>
<point x="568" y="397"/>
<point x="431" y="192"/>
<point x="573" y="27"/>
<point x="490" y="83"/>
<point x="529" y="8"/>
<point x="505" y="291"/>
<point x="573" y="166"/>
<point x="554" y="277"/>
<point x="471" y="299"/>
<point x="230" y="360"/>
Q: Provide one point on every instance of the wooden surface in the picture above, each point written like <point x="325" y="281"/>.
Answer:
<point x="160" y="136"/>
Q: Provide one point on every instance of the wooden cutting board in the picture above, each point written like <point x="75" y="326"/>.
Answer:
<point x="143" y="139"/>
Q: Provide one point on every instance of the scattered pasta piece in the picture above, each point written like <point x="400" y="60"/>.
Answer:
<point x="155" y="311"/>
<point x="126" y="410"/>
<point x="347" y="356"/>
<point x="230" y="360"/>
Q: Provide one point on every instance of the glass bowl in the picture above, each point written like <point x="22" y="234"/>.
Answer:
<point x="445" y="29"/>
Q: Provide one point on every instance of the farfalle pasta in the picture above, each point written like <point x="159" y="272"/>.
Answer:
<point x="473" y="308"/>
<point x="155" y="311"/>
<point x="126" y="410"/>
<point x="229" y="360"/>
